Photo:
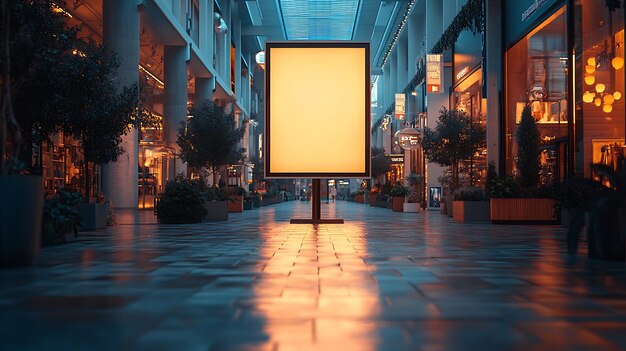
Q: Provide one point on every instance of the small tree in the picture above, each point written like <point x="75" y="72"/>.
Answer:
<point x="102" y="112"/>
<point x="210" y="139"/>
<point x="381" y="164"/>
<point x="456" y="137"/>
<point x="527" y="137"/>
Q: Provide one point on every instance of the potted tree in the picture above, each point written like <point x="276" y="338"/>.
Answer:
<point x="380" y="165"/>
<point x="398" y="193"/>
<point x="413" y="199"/>
<point x="181" y="202"/>
<point x="456" y="137"/>
<point x="521" y="200"/>
<point x="209" y="139"/>
<point x="236" y="196"/>
<point x="61" y="218"/>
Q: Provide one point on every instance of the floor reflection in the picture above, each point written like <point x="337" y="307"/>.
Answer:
<point x="316" y="289"/>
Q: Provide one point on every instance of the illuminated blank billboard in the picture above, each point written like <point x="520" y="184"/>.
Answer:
<point x="317" y="116"/>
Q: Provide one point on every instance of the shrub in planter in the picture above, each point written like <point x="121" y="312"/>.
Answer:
<point x="470" y="205"/>
<point x="181" y="202"/>
<point x="469" y="193"/>
<point x="60" y="217"/>
<point x="398" y="193"/>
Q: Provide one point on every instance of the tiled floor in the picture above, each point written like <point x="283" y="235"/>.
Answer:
<point x="382" y="281"/>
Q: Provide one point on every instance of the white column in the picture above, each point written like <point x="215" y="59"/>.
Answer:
<point x="204" y="90"/>
<point x="434" y="22"/>
<point x="175" y="99"/>
<point x="236" y="35"/>
<point x="121" y="34"/>
<point x="207" y="28"/>
<point x="403" y="79"/>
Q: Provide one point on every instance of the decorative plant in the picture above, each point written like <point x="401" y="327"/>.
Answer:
<point x="60" y="216"/>
<point x="216" y="194"/>
<point x="181" y="202"/>
<point x="456" y="137"/>
<point x="381" y="164"/>
<point x="469" y="193"/>
<point x="527" y="137"/>
<point x="399" y="191"/>
<point x="504" y="187"/>
<point x="210" y="139"/>
<point x="414" y="181"/>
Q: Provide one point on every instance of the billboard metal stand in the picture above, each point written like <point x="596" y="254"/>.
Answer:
<point x="316" y="209"/>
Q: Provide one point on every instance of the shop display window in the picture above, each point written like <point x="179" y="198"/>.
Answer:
<point x="537" y="75"/>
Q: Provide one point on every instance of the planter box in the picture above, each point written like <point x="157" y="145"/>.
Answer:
<point x="247" y="205"/>
<point x="522" y="211"/>
<point x="366" y="197"/>
<point x="216" y="210"/>
<point x="449" y="205"/>
<point x="21" y="210"/>
<point x="373" y="197"/>
<point x="397" y="203"/>
<point x="360" y="198"/>
<point x="411" y="207"/>
<point x="235" y="204"/>
<point x="256" y="202"/>
<point x="381" y="203"/>
<point x="94" y="216"/>
<point x="471" y="211"/>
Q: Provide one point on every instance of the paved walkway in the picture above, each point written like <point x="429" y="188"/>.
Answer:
<point x="382" y="281"/>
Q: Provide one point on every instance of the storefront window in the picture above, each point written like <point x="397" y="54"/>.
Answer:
<point x="536" y="74"/>
<point x="602" y="80"/>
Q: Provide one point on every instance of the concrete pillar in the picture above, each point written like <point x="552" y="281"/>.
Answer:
<point x="207" y="29"/>
<point x="204" y="90"/>
<point x="393" y="70"/>
<point x="434" y="23"/>
<point x="449" y="11"/>
<point x="493" y="79"/>
<point x="121" y="34"/>
<point x="175" y="100"/>
<point x="413" y="43"/>
<point x="403" y="76"/>
<point x="236" y="37"/>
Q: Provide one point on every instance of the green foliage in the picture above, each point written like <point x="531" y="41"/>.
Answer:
<point x="216" y="194"/>
<point x="414" y="181"/>
<point x="469" y="193"/>
<point x="505" y="187"/>
<point x="456" y="137"/>
<point x="527" y="137"/>
<point x="398" y="191"/>
<point x="60" y="216"/>
<point x="210" y="139"/>
<point x="181" y="202"/>
<point x="381" y="164"/>
<point x="470" y="17"/>
<point x="492" y="177"/>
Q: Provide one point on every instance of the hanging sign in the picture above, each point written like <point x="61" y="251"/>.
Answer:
<point x="408" y="138"/>
<point x="400" y="106"/>
<point x="434" y="69"/>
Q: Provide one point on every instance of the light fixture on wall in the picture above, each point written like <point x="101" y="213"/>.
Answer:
<point x="220" y="24"/>
<point x="606" y="60"/>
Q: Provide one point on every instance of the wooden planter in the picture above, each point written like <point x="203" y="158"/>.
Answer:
<point x="94" y="216"/>
<point x="235" y="203"/>
<point x="360" y="198"/>
<point x="522" y="211"/>
<point x="397" y="203"/>
<point x="216" y="210"/>
<point x="471" y="211"/>
<point x="373" y="197"/>
<point x="449" y="199"/>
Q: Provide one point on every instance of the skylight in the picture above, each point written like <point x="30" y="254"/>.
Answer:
<point x="319" y="19"/>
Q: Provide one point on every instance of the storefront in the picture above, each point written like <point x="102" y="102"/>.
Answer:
<point x="467" y="95"/>
<point x="580" y="112"/>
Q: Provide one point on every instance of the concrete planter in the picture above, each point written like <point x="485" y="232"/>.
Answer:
<point x="411" y="207"/>
<point x="366" y="197"/>
<point x="235" y="204"/>
<point x="373" y="197"/>
<point x="449" y="205"/>
<point x="397" y="203"/>
<point x="247" y="205"/>
<point x="522" y="211"/>
<point x="216" y="211"/>
<point x="359" y="198"/>
<point x="94" y="216"/>
<point x="471" y="211"/>
<point x="21" y="210"/>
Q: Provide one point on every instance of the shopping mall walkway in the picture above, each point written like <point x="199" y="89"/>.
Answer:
<point x="382" y="281"/>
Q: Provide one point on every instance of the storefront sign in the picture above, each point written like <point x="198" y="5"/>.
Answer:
<point x="306" y="139"/>
<point x="462" y="73"/>
<point x="400" y="106"/>
<point x="408" y="138"/>
<point x="434" y="68"/>
<point x="533" y="7"/>
<point x="396" y="159"/>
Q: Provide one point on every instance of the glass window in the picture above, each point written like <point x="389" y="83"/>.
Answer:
<point x="536" y="74"/>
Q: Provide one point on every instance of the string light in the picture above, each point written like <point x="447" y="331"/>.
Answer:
<point x="408" y="10"/>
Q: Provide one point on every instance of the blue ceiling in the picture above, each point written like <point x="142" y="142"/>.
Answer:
<point x="319" y="19"/>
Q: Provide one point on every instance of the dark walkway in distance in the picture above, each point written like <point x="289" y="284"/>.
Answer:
<point x="382" y="281"/>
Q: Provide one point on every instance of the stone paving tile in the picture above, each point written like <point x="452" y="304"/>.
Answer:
<point x="382" y="281"/>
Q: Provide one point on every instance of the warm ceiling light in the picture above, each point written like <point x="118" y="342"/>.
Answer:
<point x="617" y="95"/>
<point x="588" y="97"/>
<point x="600" y="88"/>
<point x="590" y="69"/>
<point x="591" y="61"/>
<point x="590" y="79"/>
<point x="617" y="62"/>
<point x="597" y="102"/>
<point x="607" y="108"/>
<point x="608" y="99"/>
